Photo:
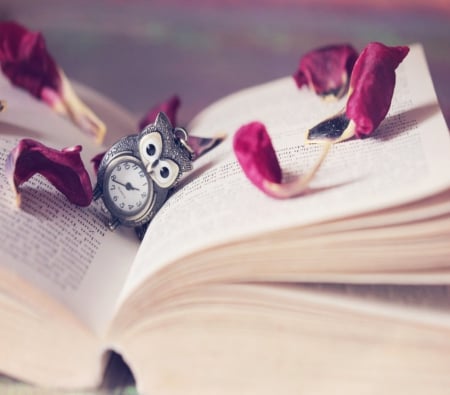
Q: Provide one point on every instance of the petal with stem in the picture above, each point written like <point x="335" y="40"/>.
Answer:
<point x="25" y="60"/>
<point x="255" y="153"/>
<point x="370" y="94"/>
<point x="372" y="86"/>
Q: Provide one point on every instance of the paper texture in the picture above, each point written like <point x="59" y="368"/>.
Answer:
<point x="60" y="248"/>
<point x="405" y="159"/>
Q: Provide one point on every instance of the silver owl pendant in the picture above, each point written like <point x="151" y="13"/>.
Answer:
<point x="138" y="172"/>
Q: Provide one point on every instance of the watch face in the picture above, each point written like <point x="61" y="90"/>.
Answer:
<point x="127" y="190"/>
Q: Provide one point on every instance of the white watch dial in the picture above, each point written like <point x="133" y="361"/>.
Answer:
<point x="128" y="187"/>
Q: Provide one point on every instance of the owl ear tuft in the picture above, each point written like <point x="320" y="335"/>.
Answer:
<point x="163" y="122"/>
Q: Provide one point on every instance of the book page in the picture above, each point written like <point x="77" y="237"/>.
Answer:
<point x="399" y="301"/>
<point x="406" y="158"/>
<point x="61" y="248"/>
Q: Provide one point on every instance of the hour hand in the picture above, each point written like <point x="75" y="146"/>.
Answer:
<point x="128" y="186"/>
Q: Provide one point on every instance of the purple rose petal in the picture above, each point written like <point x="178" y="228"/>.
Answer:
<point x="327" y="70"/>
<point x="63" y="169"/>
<point x="168" y="107"/>
<point x="201" y="145"/>
<point x="372" y="85"/>
<point x="371" y="89"/>
<point x="96" y="160"/>
<point x="255" y="153"/>
<point x="27" y="63"/>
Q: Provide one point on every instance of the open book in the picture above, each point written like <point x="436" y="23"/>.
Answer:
<point x="344" y="289"/>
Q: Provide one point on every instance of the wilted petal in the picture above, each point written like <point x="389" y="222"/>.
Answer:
<point x="372" y="86"/>
<point x="334" y="129"/>
<point x="64" y="169"/>
<point x="25" y="60"/>
<point x="256" y="155"/>
<point x="96" y="160"/>
<point x="168" y="107"/>
<point x="201" y="145"/>
<point x="327" y="70"/>
<point x="27" y="63"/>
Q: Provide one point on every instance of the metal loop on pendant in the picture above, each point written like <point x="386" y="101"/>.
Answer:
<point x="183" y="139"/>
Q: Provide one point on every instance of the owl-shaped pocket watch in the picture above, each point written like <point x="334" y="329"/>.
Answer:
<point x="137" y="173"/>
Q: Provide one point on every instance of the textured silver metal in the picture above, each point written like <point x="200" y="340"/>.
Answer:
<point x="174" y="148"/>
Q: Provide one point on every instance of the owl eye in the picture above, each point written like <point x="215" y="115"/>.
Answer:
<point x="165" y="173"/>
<point x="150" y="147"/>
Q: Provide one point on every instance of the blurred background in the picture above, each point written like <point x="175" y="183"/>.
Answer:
<point x="141" y="52"/>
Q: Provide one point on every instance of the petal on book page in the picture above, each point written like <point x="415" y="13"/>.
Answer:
<point x="27" y="63"/>
<point x="371" y="89"/>
<point x="201" y="145"/>
<point x="64" y="169"/>
<point x="256" y="155"/>
<point x="327" y="70"/>
<point x="372" y="85"/>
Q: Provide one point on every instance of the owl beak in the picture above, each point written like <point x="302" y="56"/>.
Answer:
<point x="151" y="166"/>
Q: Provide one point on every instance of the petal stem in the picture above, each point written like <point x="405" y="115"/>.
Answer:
<point x="300" y="184"/>
<point x="81" y="114"/>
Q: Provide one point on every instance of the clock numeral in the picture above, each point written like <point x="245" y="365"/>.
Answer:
<point x="122" y="205"/>
<point x="143" y="195"/>
<point x="135" y="167"/>
<point x="119" y="168"/>
<point x="115" y="198"/>
<point x="141" y="174"/>
<point x="112" y="187"/>
<point x="139" y="204"/>
<point x="127" y="166"/>
<point x="130" y="207"/>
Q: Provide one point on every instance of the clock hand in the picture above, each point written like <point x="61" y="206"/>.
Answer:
<point x="128" y="186"/>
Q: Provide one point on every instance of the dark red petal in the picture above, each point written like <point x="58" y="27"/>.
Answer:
<point x="25" y="60"/>
<point x="256" y="155"/>
<point x="326" y="70"/>
<point x="168" y="107"/>
<point x="201" y="145"/>
<point x="96" y="160"/>
<point x="64" y="169"/>
<point x="372" y="85"/>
